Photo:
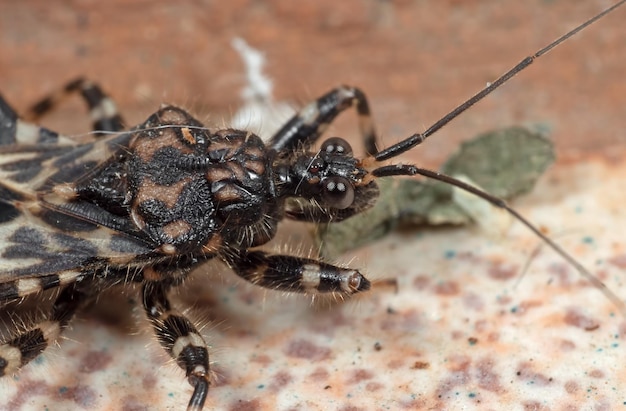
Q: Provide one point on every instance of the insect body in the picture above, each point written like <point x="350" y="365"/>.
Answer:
<point x="148" y="205"/>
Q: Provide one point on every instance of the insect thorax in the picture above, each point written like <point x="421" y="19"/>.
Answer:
<point x="188" y="189"/>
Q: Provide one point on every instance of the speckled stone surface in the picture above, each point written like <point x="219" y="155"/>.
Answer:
<point x="463" y="330"/>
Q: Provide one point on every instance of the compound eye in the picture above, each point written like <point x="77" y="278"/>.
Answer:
<point x="337" y="192"/>
<point x="336" y="145"/>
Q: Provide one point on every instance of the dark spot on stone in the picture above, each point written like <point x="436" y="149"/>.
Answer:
<point x="307" y="350"/>
<point x="420" y="365"/>
<point x="242" y="405"/>
<point x="482" y="326"/>
<point x="419" y="404"/>
<point x="487" y="377"/>
<point x="280" y="380"/>
<point x="26" y="390"/>
<point x="449" y="288"/>
<point x="377" y="346"/>
<point x="360" y="375"/>
<point x="622" y="330"/>
<point x="457" y="334"/>
<point x="421" y="282"/>
<point x="534" y="406"/>
<point x="567" y="345"/>
<point x="350" y="408"/>
<point x="459" y="363"/>
<point x="577" y="318"/>
<point x="148" y="381"/>
<point x="500" y="272"/>
<point x="596" y="373"/>
<point x="95" y="361"/>
<point x="319" y="374"/>
<point x="373" y="386"/>
<point x="458" y="375"/>
<point x="449" y="384"/>
<point x="132" y="403"/>
<point x="395" y="364"/>
<point x="526" y="305"/>
<point x="603" y="405"/>
<point x="473" y="301"/>
<point x="82" y="395"/>
<point x="619" y="261"/>
<point x="505" y="300"/>
<point x="562" y="274"/>
<point x="408" y="321"/>
<point x="526" y="373"/>
<point x="262" y="359"/>
<point x="472" y="340"/>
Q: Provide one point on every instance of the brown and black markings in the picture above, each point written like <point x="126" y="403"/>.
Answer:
<point x="149" y="204"/>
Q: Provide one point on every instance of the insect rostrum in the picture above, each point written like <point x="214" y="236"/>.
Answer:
<point x="148" y="205"/>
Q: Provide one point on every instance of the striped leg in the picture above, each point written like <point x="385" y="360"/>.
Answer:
<point x="102" y="109"/>
<point x="13" y="130"/>
<point x="303" y="275"/>
<point x="307" y="125"/>
<point x="29" y="344"/>
<point x="180" y="339"/>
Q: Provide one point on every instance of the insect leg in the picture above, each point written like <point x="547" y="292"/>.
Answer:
<point x="304" y="128"/>
<point x="180" y="339"/>
<point x="296" y="274"/>
<point x="29" y="344"/>
<point x="13" y="130"/>
<point x="102" y="108"/>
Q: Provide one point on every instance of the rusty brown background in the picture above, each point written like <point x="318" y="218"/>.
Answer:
<point x="415" y="59"/>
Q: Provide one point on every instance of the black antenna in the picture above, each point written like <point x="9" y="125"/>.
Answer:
<point x="417" y="139"/>
<point x="410" y="170"/>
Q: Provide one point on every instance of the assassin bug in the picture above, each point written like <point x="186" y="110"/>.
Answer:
<point x="148" y="205"/>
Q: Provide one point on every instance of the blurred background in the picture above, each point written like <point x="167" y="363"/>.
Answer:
<point x="416" y="60"/>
